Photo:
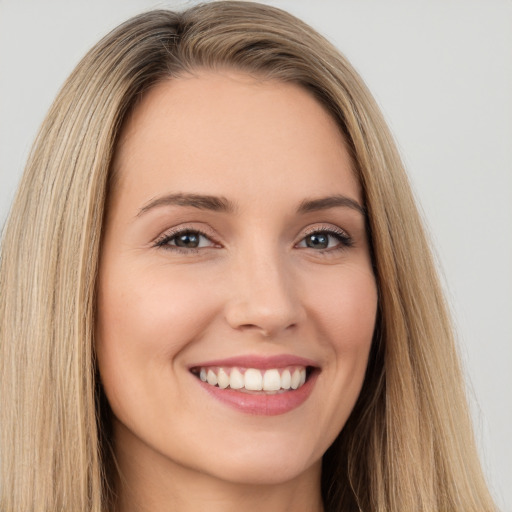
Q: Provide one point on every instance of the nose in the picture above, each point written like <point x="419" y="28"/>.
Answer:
<point x="263" y="296"/>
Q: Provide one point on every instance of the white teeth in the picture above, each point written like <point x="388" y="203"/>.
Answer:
<point x="295" y="379"/>
<point x="222" y="379"/>
<point x="286" y="379"/>
<point x="271" y="380"/>
<point x="236" y="379"/>
<point x="211" y="378"/>
<point x="252" y="379"/>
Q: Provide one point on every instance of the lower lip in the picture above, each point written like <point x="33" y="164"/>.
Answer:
<point x="262" y="404"/>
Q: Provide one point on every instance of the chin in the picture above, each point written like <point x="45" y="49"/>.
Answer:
<point x="272" y="471"/>
<point x="270" y="459"/>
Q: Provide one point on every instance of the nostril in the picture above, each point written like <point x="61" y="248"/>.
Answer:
<point x="267" y="326"/>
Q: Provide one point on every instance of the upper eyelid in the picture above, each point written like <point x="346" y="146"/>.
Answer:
<point x="206" y="232"/>
<point x="175" y="231"/>
<point x="329" y="228"/>
<point x="324" y="227"/>
<point x="163" y="242"/>
<point x="175" y="234"/>
<point x="169" y="234"/>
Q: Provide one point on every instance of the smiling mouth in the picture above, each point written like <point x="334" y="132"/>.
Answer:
<point x="254" y="380"/>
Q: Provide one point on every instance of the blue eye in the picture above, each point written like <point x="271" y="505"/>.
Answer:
<point x="191" y="240"/>
<point x="186" y="239"/>
<point x="325" y="240"/>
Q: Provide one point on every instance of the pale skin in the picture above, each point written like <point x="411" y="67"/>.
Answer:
<point x="260" y="276"/>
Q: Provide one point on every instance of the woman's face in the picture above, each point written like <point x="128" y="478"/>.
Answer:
<point x="234" y="252"/>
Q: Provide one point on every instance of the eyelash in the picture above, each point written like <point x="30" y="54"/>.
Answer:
<point x="345" y="241"/>
<point x="163" y="242"/>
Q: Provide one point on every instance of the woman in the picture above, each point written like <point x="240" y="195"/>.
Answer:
<point x="231" y="298"/>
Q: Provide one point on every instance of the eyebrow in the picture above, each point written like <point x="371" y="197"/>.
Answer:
<point x="201" y="202"/>
<point x="324" y="203"/>
<point x="222" y="204"/>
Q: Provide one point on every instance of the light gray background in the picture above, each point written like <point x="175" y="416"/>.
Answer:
<point x="442" y="73"/>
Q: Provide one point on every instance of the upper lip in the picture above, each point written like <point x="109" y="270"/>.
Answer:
<point x="259" y="362"/>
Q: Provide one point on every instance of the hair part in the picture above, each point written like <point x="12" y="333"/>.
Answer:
<point x="408" y="444"/>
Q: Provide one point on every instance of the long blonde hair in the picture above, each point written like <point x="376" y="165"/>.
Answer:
<point x="408" y="445"/>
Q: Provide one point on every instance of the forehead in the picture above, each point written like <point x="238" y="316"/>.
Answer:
<point x="213" y="129"/>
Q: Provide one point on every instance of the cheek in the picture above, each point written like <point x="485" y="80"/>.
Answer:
<point x="150" y="309"/>
<point x="345" y="306"/>
<point x="145" y="319"/>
